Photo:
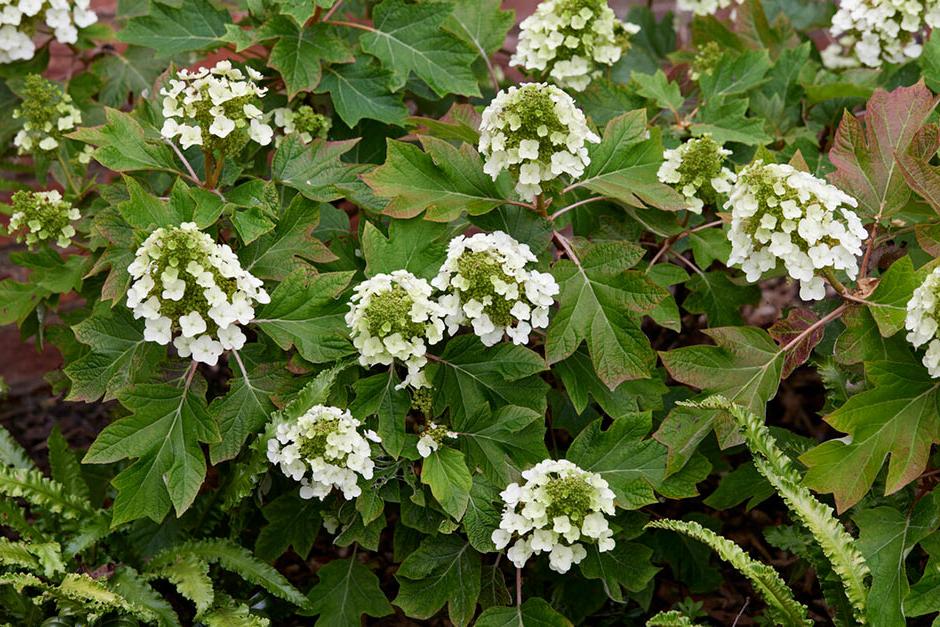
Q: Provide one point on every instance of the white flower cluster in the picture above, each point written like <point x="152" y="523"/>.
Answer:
<point x="872" y="32"/>
<point x="40" y="216"/>
<point x="705" y="7"/>
<point x="781" y="213"/>
<point x="215" y="108"/>
<point x="571" y="40"/>
<point x="431" y="438"/>
<point x="923" y="315"/>
<point x="323" y="449"/>
<point x="537" y="133"/>
<point x="21" y="19"/>
<point x="47" y="113"/>
<point x="393" y="316"/>
<point x="302" y="121"/>
<point x="558" y="505"/>
<point x="184" y="282"/>
<point x="696" y="170"/>
<point x="485" y="282"/>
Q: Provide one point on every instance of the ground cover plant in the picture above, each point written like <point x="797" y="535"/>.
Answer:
<point x="471" y="313"/>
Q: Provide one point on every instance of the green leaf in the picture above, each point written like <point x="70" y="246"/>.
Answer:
<point x="930" y="62"/>
<point x="534" y="612"/>
<point x="736" y="74"/>
<point x="193" y="25"/>
<point x="468" y="376"/>
<point x="897" y="418"/>
<point x="377" y="396"/>
<point x="292" y="522"/>
<point x="245" y="409"/>
<point x="360" y="90"/>
<point x="888" y="303"/>
<point x="720" y="299"/>
<point x="345" y="591"/>
<point x="886" y="538"/>
<point x="18" y="300"/>
<point x="408" y="38"/>
<point x="600" y="303"/>
<point x="724" y="118"/>
<point x="313" y="169"/>
<point x="480" y="23"/>
<point x="126" y="74"/>
<point x="285" y="249"/>
<point x="864" y="152"/>
<point x="119" y="356"/>
<point x="445" y="181"/>
<point x="659" y="89"/>
<point x="164" y="431"/>
<point x="124" y="145"/>
<point x="632" y="465"/>
<point x="418" y="246"/>
<point x="483" y="515"/>
<point x="744" y="367"/>
<point x="624" y="165"/>
<point x="299" y="52"/>
<point x="626" y="566"/>
<point x="444" y="569"/>
<point x="503" y="442"/>
<point x="789" y="329"/>
<point x="308" y="312"/>
<point x="446" y="473"/>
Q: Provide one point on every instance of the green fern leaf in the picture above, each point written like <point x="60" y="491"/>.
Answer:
<point x="231" y="614"/>
<point x="190" y="575"/>
<point x="11" y="453"/>
<point x="781" y="605"/>
<point x="236" y="559"/>
<point x="128" y="583"/>
<point x="671" y="618"/>
<point x="18" y="554"/>
<point x="43" y="493"/>
<point x="836" y="543"/>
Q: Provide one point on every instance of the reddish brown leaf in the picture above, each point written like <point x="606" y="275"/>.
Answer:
<point x="789" y="329"/>
<point x="915" y="165"/>
<point x="863" y="151"/>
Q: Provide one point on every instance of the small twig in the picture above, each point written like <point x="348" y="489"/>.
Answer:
<point x="182" y="157"/>
<point x="832" y="315"/>
<point x="741" y="613"/>
<point x="668" y="244"/>
<point x="565" y="210"/>
<point x="830" y="275"/>
<point x="364" y="27"/>
<point x="518" y="587"/>
<point x="540" y="206"/>
<point x="332" y="10"/>
<point x="688" y="263"/>
<point x="872" y="233"/>
<point x="189" y="376"/>
<point x="566" y="246"/>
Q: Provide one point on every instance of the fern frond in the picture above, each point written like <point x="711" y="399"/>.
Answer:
<point x="18" y="554"/>
<point x="836" y="543"/>
<point x="12" y="516"/>
<point x="245" y="474"/>
<point x="236" y="559"/>
<point x="672" y="618"/>
<point x="780" y="602"/>
<point x="190" y="575"/>
<point x="11" y="453"/>
<point x="231" y="614"/>
<point x="132" y="586"/>
<point x="80" y="595"/>
<point x="43" y="493"/>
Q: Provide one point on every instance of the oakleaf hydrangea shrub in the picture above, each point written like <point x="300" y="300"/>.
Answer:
<point x="192" y="291"/>
<point x="470" y="312"/>
<point x="326" y="443"/>
<point x="571" y="41"/>
<point x="780" y="214"/>
<point x="558" y="505"/>
<point x="537" y="133"/>
<point x="42" y="216"/>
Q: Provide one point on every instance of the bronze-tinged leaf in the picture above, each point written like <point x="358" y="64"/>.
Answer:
<point x="788" y="330"/>
<point x="864" y="149"/>
<point x="915" y="165"/>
